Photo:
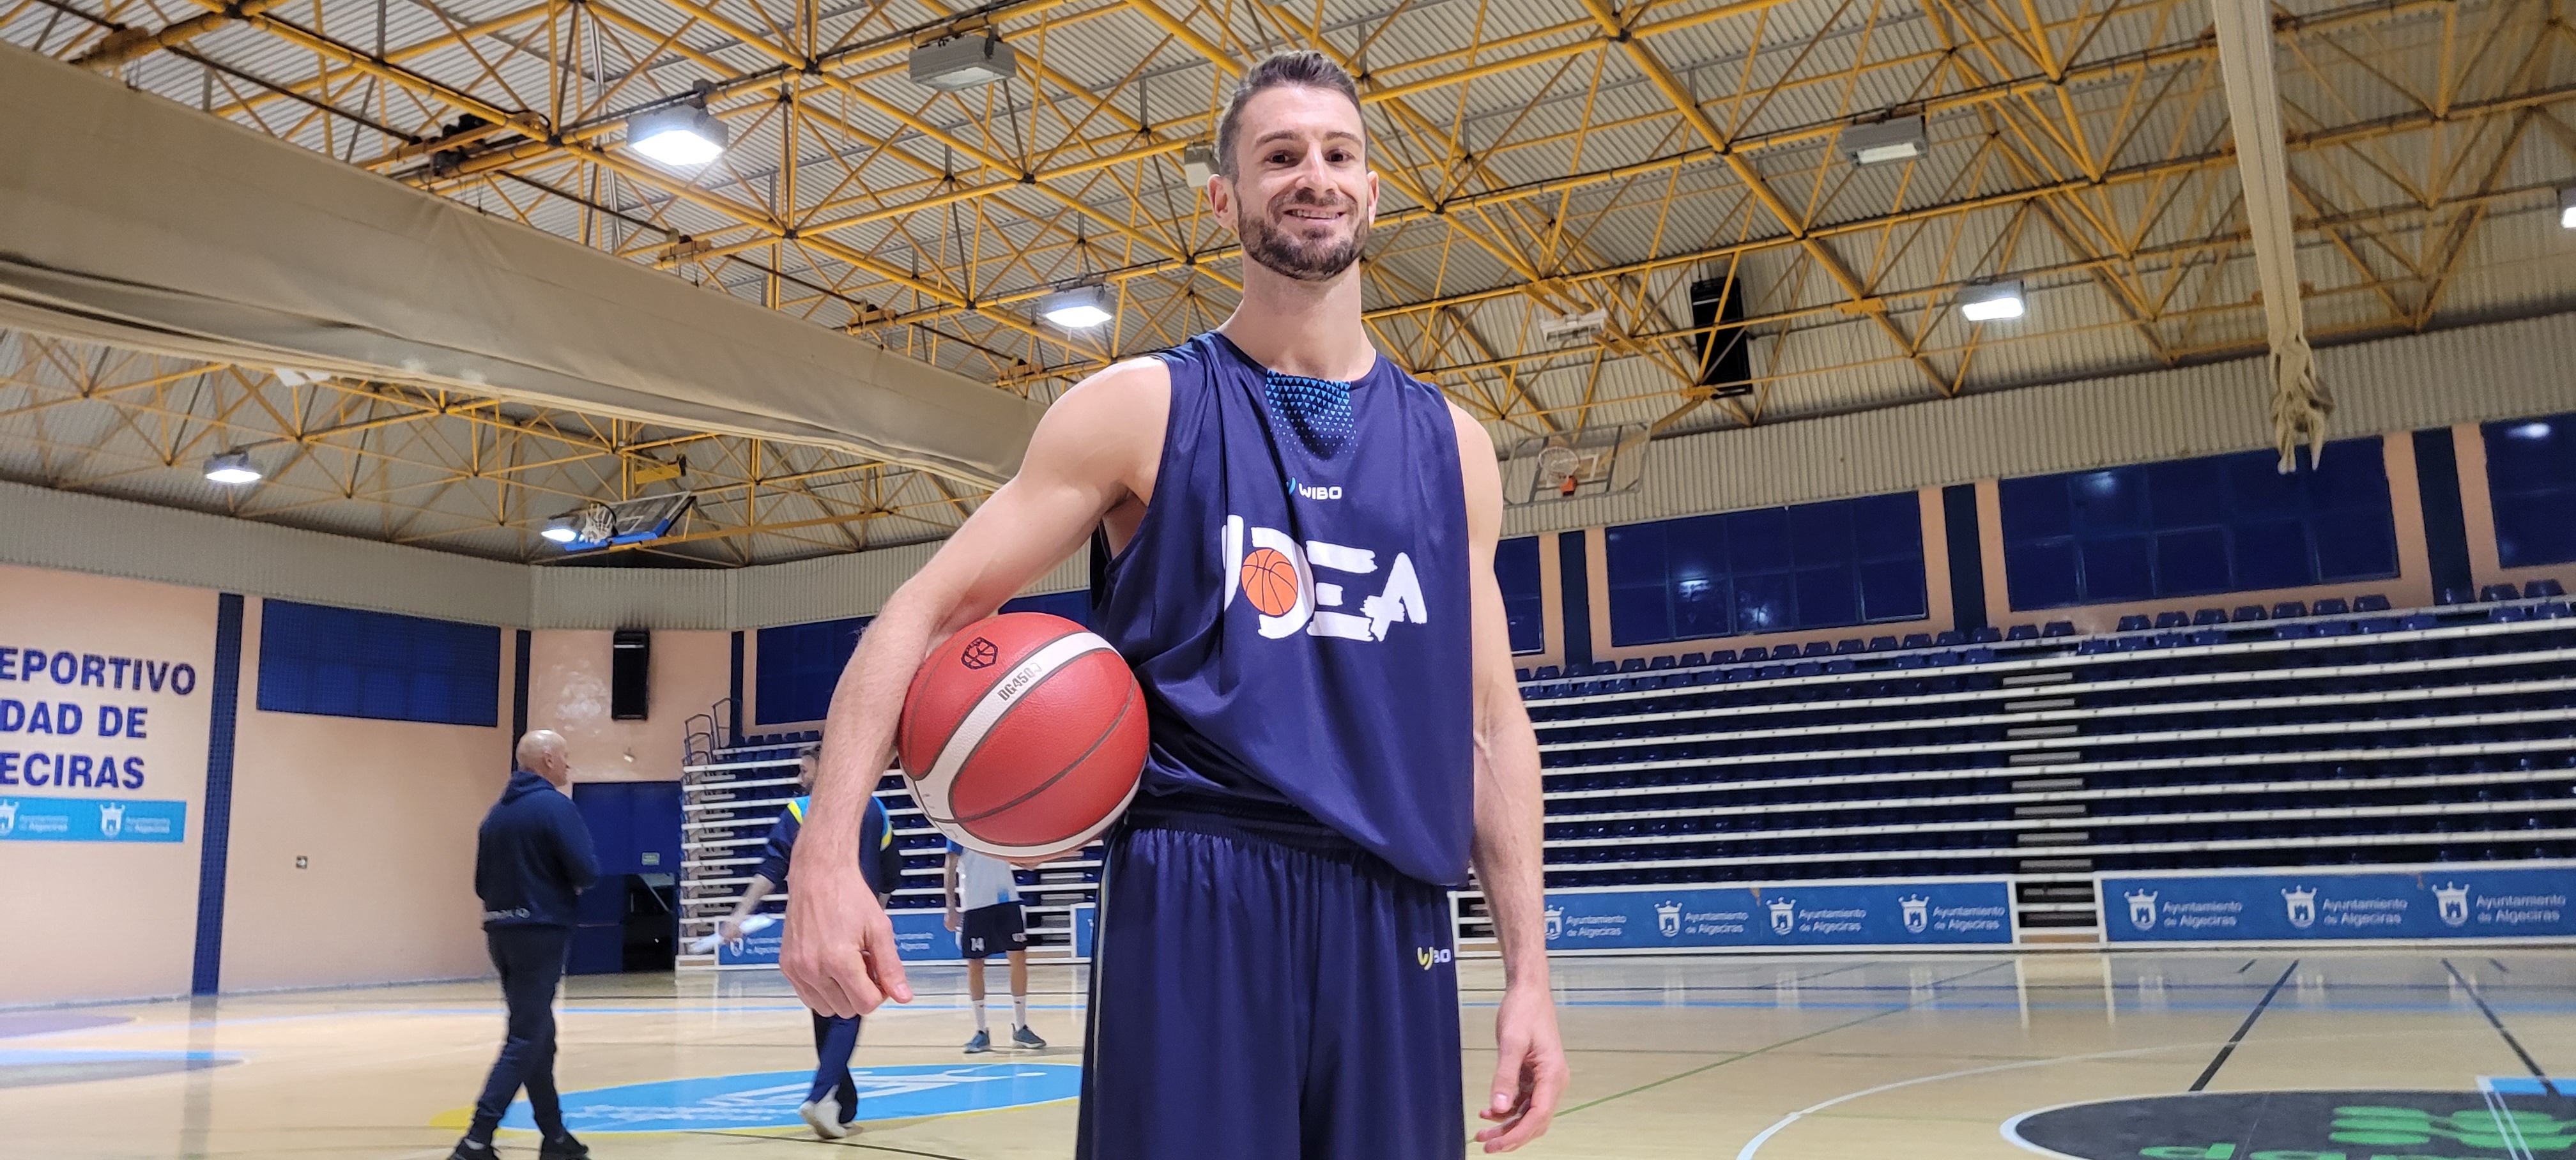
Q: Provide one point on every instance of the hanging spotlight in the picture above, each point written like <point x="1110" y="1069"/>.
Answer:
<point x="1198" y="163"/>
<point x="1079" y="307"/>
<point x="964" y="62"/>
<point x="2567" y="208"/>
<point x="232" y="468"/>
<point x="1991" y="301"/>
<point x="1894" y="139"/>
<point x="684" y="134"/>
<point x="560" y="530"/>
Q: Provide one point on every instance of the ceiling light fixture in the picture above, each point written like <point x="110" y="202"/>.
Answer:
<point x="1079" y="307"/>
<point x="232" y="468"/>
<point x="1878" y="142"/>
<point x="684" y="134"/>
<point x="964" y="62"/>
<point x="1991" y="301"/>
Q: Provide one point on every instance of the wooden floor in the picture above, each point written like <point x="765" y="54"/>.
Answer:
<point x="1798" y="1058"/>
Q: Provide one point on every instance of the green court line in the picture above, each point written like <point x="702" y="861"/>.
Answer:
<point x="1765" y="1048"/>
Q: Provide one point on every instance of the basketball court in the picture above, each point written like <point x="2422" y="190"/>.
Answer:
<point x="1806" y="1057"/>
<point x="2035" y="539"/>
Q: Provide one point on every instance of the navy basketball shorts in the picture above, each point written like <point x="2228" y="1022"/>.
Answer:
<point x="1260" y="997"/>
<point x="993" y="930"/>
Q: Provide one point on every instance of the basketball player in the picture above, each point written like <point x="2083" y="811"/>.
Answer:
<point x="832" y="1103"/>
<point x="531" y="858"/>
<point x="1296" y="557"/>
<point x="984" y="909"/>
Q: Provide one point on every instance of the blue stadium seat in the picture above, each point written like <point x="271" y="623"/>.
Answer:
<point x="1604" y="668"/>
<point x="2546" y="586"/>
<point x="2093" y="647"/>
<point x="1724" y="656"/>
<point x="1521" y="675"/>
<point x="2245" y="613"/>
<point x="1549" y="672"/>
<point x="2022" y="632"/>
<point x="1633" y="665"/>
<point x="2289" y="610"/>
<point x="1662" y="662"/>
<point x="2379" y="624"/>
<point x="1918" y="640"/>
<point x="2058" y="628"/>
<point x="1820" y="648"/>
<point x="2135" y="624"/>
<point x="2208" y="616"/>
<point x="2292" y="632"/>
<point x="2508" y="613"/>
<point x="1951" y="639"/>
<point x="2372" y="602"/>
<point x="2334" y="627"/>
<point x="2494" y="593"/>
<point x="2169" y="620"/>
<point x="1850" y="645"/>
<point x="1757" y="653"/>
<point x="2208" y="636"/>
<point x="2550" y="611"/>
<point x="1882" y="644"/>
<point x="1986" y="635"/>
<point x="2330" y="606"/>
<point x="2419" y="622"/>
<point x="1694" y="660"/>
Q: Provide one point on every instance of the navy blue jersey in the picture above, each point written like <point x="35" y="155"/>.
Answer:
<point x="1295" y="606"/>
<point x="880" y="860"/>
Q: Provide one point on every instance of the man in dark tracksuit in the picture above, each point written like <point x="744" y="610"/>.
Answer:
<point x="532" y="856"/>
<point x="833" y="1101"/>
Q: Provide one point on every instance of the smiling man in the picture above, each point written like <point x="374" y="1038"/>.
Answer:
<point x="1298" y="541"/>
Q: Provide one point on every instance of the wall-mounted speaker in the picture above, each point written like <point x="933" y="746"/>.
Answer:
<point x="630" y="668"/>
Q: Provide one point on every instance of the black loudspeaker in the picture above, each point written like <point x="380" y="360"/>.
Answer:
<point x="630" y="666"/>
<point x="1726" y="356"/>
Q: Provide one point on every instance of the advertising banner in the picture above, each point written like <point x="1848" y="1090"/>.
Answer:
<point x="1903" y="912"/>
<point x="2312" y="905"/>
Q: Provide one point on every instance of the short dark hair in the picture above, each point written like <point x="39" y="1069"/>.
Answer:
<point x="1305" y="68"/>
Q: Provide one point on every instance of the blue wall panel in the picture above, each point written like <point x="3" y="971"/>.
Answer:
<point x="1813" y="566"/>
<point x="347" y="662"/>
<point x="2531" y="479"/>
<point x="1516" y="570"/>
<point x="2198" y="527"/>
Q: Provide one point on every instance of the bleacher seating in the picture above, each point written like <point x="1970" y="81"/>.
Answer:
<point x="2353" y="735"/>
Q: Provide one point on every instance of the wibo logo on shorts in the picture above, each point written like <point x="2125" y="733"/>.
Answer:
<point x="1430" y="957"/>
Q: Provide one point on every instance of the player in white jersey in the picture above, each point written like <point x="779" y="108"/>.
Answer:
<point x="984" y="909"/>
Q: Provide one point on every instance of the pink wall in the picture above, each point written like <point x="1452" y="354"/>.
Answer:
<point x="384" y="813"/>
<point x="129" y="908"/>
<point x="568" y="686"/>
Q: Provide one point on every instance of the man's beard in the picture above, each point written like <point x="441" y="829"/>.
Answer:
<point x="1296" y="258"/>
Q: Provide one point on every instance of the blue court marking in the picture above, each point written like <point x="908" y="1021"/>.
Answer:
<point x="769" y="1099"/>
<point x="22" y="1068"/>
<point x="2524" y="1085"/>
<point x="16" y="1023"/>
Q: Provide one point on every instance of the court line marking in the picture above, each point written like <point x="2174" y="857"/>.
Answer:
<point x="2229" y="1048"/>
<point x="1755" y="1144"/>
<point x="1773" y="1046"/>
<point x="2546" y="1084"/>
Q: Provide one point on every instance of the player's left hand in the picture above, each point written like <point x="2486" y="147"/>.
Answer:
<point x="1529" y="1069"/>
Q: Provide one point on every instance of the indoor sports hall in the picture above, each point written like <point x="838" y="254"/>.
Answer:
<point x="2034" y="545"/>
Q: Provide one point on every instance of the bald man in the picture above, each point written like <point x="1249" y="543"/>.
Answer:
<point x="532" y="857"/>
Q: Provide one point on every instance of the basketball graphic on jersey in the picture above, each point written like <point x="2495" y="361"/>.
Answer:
<point x="1270" y="580"/>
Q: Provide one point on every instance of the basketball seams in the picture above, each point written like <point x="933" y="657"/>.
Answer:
<point x="936" y="782"/>
<point x="994" y="729"/>
<point x="1124" y="706"/>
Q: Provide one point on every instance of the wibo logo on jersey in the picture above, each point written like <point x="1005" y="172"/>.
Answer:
<point x="1314" y="491"/>
<point x="1278" y="575"/>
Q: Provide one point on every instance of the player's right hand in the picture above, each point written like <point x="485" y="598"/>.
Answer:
<point x="728" y="929"/>
<point x="952" y="918"/>
<point x="838" y="948"/>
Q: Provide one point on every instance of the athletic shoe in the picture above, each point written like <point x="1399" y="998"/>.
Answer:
<point x="824" y="1116"/>
<point x="469" y="1150"/>
<point x="563" y="1147"/>
<point x="982" y="1043"/>
<point x="1024" y="1037"/>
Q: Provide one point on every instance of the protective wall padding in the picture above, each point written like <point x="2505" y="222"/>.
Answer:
<point x="130" y="220"/>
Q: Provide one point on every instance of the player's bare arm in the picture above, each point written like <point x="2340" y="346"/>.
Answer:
<point x="1530" y="1070"/>
<point x="1092" y="459"/>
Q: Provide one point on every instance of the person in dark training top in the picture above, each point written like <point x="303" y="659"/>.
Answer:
<point x="832" y="1102"/>
<point x="1295" y="554"/>
<point x="531" y="859"/>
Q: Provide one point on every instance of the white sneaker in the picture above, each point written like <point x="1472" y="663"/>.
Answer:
<point x="824" y="1116"/>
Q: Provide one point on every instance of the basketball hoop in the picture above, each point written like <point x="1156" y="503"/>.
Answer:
<point x="1557" y="468"/>
<point x="1592" y="461"/>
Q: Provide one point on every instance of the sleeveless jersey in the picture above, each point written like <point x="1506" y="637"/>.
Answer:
<point x="1294" y="603"/>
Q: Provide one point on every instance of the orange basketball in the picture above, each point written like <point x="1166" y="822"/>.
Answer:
<point x="1023" y="736"/>
<point x="1271" y="581"/>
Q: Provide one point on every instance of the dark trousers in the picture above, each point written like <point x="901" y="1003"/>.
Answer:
<point x="834" y="1040"/>
<point x="531" y="959"/>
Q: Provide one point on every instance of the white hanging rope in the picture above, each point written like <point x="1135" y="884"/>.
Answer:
<point x="2300" y="403"/>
